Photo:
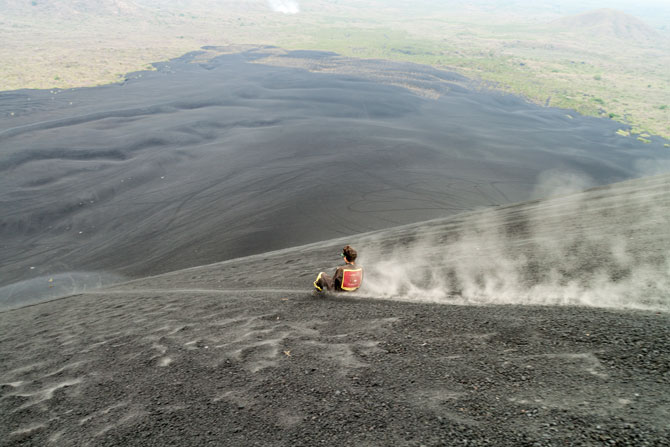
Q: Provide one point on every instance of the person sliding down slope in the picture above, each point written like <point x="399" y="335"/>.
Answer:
<point x="347" y="277"/>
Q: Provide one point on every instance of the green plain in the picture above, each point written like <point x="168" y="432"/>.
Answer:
<point x="600" y="74"/>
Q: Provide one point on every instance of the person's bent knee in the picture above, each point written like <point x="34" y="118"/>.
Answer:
<point x="318" y="282"/>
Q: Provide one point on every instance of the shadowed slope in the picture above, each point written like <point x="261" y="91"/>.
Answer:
<point x="201" y="162"/>
<point x="606" y="247"/>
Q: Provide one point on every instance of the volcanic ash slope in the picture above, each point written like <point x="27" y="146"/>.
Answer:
<point x="606" y="247"/>
<point x="241" y="353"/>
<point x="201" y="161"/>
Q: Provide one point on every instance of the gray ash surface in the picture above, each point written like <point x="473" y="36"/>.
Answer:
<point x="253" y="368"/>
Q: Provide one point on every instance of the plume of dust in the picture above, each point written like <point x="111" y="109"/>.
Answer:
<point x="49" y="287"/>
<point x="595" y="249"/>
<point x="284" y="6"/>
<point x="559" y="183"/>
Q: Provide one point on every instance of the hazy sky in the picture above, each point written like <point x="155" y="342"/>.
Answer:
<point x="655" y="12"/>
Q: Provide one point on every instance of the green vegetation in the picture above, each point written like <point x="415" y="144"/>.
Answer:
<point x="623" y="133"/>
<point x="559" y="70"/>
<point x="596" y="74"/>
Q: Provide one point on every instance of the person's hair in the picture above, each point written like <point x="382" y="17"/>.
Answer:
<point x="349" y="253"/>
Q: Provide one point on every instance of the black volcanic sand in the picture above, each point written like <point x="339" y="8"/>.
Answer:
<point x="605" y="247"/>
<point x="200" y="162"/>
<point x="241" y="353"/>
<point x="188" y="367"/>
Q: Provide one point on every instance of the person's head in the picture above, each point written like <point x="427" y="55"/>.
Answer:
<point x="349" y="254"/>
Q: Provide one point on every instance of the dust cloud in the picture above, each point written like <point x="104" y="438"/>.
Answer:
<point x="48" y="287"/>
<point x="555" y="182"/>
<point x="602" y="248"/>
<point x="284" y="6"/>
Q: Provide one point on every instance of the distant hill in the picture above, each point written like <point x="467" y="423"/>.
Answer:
<point x="141" y="9"/>
<point x="608" y="24"/>
<point x="73" y="7"/>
